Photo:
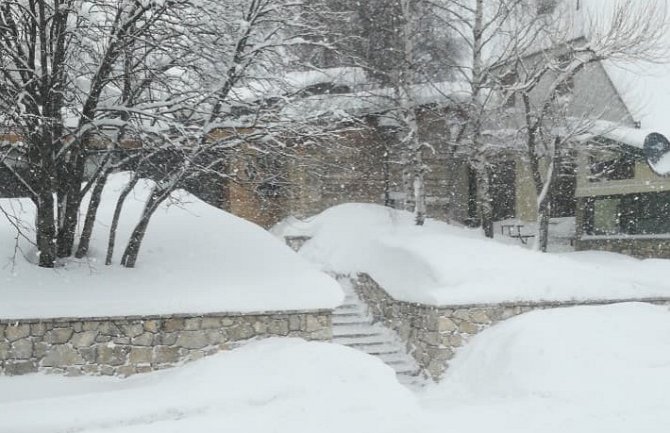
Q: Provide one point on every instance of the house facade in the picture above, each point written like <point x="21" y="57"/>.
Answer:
<point x="618" y="202"/>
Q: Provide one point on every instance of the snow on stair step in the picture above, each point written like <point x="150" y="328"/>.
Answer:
<point x="354" y="327"/>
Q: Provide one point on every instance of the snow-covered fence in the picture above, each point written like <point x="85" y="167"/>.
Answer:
<point x="433" y="333"/>
<point x="127" y="345"/>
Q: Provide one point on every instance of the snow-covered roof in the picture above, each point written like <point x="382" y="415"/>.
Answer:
<point x="295" y="81"/>
<point x="644" y="86"/>
<point x="378" y="100"/>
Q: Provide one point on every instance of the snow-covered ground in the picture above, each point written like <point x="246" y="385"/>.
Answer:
<point x="581" y="369"/>
<point x="195" y="259"/>
<point x="442" y="264"/>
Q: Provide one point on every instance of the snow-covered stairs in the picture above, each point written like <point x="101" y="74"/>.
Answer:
<point x="353" y="327"/>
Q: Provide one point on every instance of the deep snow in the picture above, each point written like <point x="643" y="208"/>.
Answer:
<point x="579" y="369"/>
<point x="442" y="264"/>
<point x="195" y="259"/>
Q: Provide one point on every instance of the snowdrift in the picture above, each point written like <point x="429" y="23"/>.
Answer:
<point x="195" y="259"/>
<point x="579" y="369"/>
<point x="441" y="264"/>
<point x="281" y="385"/>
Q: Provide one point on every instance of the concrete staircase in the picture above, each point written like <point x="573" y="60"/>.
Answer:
<point x="353" y="327"/>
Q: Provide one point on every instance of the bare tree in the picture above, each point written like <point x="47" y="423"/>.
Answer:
<point x="141" y="83"/>
<point x="552" y="115"/>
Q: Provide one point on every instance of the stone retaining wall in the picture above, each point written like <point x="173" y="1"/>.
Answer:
<point x="126" y="345"/>
<point x="432" y="333"/>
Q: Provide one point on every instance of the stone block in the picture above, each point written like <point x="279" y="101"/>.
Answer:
<point x="89" y="354"/>
<point x="21" y="349"/>
<point x="312" y="323"/>
<point x="144" y="368"/>
<point x="121" y="340"/>
<point x="192" y="339"/>
<point x="107" y="370"/>
<point x="462" y="314"/>
<point x="152" y="325"/>
<point x="114" y="355"/>
<point x="280" y="327"/>
<point x="479" y="316"/>
<point x="165" y="354"/>
<point x="210" y="323"/>
<point x="103" y="338"/>
<point x="4" y="350"/>
<point x="38" y="329"/>
<point x="132" y="329"/>
<point x="16" y="368"/>
<point x="61" y="356"/>
<point x="214" y="336"/>
<point x="140" y="355"/>
<point x="261" y="327"/>
<point x="173" y="324"/>
<point x="468" y="328"/>
<point x="73" y="371"/>
<point x="126" y="370"/>
<point x="192" y="323"/>
<point x="445" y="324"/>
<point x="13" y="333"/>
<point x="167" y="339"/>
<point x="294" y="322"/>
<point x="90" y="326"/>
<point x="109" y="329"/>
<point x="145" y="339"/>
<point x="452" y="340"/>
<point x="40" y="349"/>
<point x="90" y="369"/>
<point x="58" y="335"/>
<point x="83" y="339"/>
<point x="242" y="331"/>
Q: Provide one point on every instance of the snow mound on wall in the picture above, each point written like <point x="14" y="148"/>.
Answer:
<point x="623" y="348"/>
<point x="195" y="259"/>
<point x="282" y="385"/>
<point x="441" y="264"/>
<point x="580" y="369"/>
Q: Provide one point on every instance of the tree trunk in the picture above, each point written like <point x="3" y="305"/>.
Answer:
<point x="485" y="203"/>
<point x="386" y="174"/>
<point x="419" y="188"/>
<point x="69" y="202"/>
<point x="46" y="230"/>
<point x="543" y="215"/>
<point x="158" y="195"/>
<point x="117" y="215"/>
<point x="544" y="200"/>
<point x="91" y="213"/>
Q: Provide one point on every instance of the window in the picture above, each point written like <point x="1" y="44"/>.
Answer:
<point x="615" y="169"/>
<point x="508" y="79"/>
<point x="546" y="6"/>
<point x="567" y="86"/>
<point x="563" y="201"/>
<point x="631" y="214"/>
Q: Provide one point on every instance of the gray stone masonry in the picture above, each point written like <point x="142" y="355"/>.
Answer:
<point x="432" y="334"/>
<point x="123" y="346"/>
